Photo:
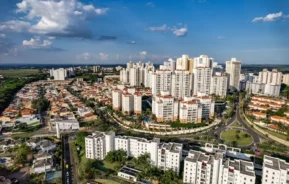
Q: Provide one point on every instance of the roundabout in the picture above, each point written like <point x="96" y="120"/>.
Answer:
<point x="236" y="137"/>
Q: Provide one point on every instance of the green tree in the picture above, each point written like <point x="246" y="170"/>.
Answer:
<point x="80" y="138"/>
<point x="21" y="154"/>
<point x="116" y="156"/>
<point x="169" y="177"/>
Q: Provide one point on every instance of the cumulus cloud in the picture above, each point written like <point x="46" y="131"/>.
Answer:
<point x="53" y="17"/>
<point x="179" y="32"/>
<point x="268" y="18"/>
<point x="103" y="56"/>
<point x="36" y="42"/>
<point x="151" y="4"/>
<point x="143" y="53"/>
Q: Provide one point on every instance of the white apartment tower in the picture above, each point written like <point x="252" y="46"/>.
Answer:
<point x="137" y="102"/>
<point x="190" y="111"/>
<point x="237" y="171"/>
<point x="99" y="144"/>
<point x="136" y="147"/>
<point x="203" y="61"/>
<point x="285" y="79"/>
<point x="170" y="156"/>
<point x="219" y="84"/>
<point x="275" y="170"/>
<point x="58" y="74"/>
<point x="161" y="81"/>
<point x="116" y="99"/>
<point x="233" y="69"/>
<point x="202" y="80"/>
<point x="266" y="77"/>
<point x="200" y="168"/>
<point x="165" y="107"/>
<point x="183" y="63"/>
<point x="127" y="103"/>
<point x="134" y="79"/>
<point x="180" y="84"/>
<point x="208" y="105"/>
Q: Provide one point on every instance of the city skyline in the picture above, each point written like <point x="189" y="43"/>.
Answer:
<point x="114" y="32"/>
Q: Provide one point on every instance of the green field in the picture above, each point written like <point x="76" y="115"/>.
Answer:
<point x="19" y="72"/>
<point x="229" y="136"/>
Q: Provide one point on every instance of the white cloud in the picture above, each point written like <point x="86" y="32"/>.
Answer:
<point x="51" y="37"/>
<point x="103" y="56"/>
<point x="132" y="42"/>
<point x="84" y="56"/>
<point x="286" y="16"/>
<point x="269" y="17"/>
<point x="160" y="28"/>
<point x="2" y="35"/>
<point x="15" y="26"/>
<point x="143" y="53"/>
<point x="54" y="17"/>
<point x="151" y="4"/>
<point x="181" y="32"/>
<point x="221" y="37"/>
<point x="36" y="42"/>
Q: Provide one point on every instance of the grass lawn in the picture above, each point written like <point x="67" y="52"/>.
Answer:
<point x="105" y="181"/>
<point x="230" y="135"/>
<point x="111" y="166"/>
<point x="276" y="134"/>
<point x="19" y="72"/>
<point x="236" y="124"/>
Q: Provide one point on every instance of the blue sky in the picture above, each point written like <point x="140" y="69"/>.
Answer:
<point x="112" y="31"/>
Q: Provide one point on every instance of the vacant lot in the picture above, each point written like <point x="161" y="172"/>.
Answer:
<point x="19" y="72"/>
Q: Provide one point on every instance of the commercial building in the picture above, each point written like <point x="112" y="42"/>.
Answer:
<point x="233" y="69"/>
<point x="99" y="144"/>
<point x="170" y="156"/>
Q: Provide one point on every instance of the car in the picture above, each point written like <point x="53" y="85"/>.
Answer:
<point x="66" y="166"/>
<point x="14" y="181"/>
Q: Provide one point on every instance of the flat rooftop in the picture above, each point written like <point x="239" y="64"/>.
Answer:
<point x="130" y="171"/>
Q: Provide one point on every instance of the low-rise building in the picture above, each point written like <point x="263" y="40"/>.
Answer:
<point x="129" y="173"/>
<point x="69" y="124"/>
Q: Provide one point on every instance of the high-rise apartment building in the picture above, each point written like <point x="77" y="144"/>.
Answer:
<point x="137" y="102"/>
<point x="219" y="84"/>
<point x="190" y="111"/>
<point x="161" y="81"/>
<point x="170" y="156"/>
<point x="182" y="63"/>
<point x="165" y="107"/>
<point x="275" y="170"/>
<point x="208" y="105"/>
<point x="58" y="74"/>
<point x="233" y="69"/>
<point x="203" y="61"/>
<point x="127" y="103"/>
<point x="180" y="84"/>
<point x="200" y="168"/>
<point x="285" y="79"/>
<point x="99" y="144"/>
<point x="116" y="99"/>
<point x="202" y="80"/>
<point x="270" y="77"/>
